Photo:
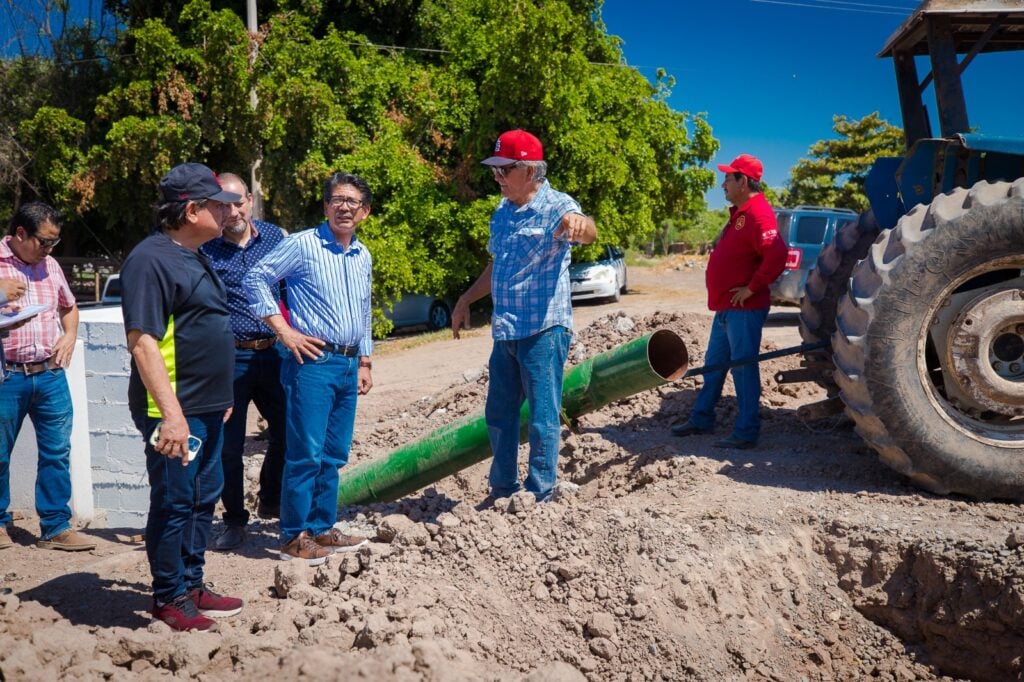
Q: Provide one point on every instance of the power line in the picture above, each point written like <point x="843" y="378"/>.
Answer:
<point x="844" y="9"/>
<point x="874" y="5"/>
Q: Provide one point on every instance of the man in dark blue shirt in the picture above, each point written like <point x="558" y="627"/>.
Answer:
<point x="179" y="393"/>
<point x="257" y="365"/>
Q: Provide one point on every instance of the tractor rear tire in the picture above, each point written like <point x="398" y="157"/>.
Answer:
<point x="827" y="283"/>
<point x="931" y="277"/>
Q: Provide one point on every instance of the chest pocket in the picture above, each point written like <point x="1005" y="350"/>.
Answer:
<point x="529" y="238"/>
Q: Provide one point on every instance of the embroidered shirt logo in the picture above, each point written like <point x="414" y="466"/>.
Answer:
<point x="740" y="222"/>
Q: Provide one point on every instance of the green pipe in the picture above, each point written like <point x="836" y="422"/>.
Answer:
<point x="646" y="362"/>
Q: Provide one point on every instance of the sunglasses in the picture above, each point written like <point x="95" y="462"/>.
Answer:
<point x="503" y="171"/>
<point x="47" y="243"/>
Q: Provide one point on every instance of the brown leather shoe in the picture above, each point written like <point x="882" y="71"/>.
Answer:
<point x="302" y="546"/>
<point x="5" y="538"/>
<point x="336" y="541"/>
<point x="68" y="541"/>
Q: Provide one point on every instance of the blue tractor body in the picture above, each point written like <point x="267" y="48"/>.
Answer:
<point x="922" y="296"/>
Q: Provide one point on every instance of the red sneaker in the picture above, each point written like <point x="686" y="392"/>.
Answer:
<point x="212" y="604"/>
<point x="182" y="614"/>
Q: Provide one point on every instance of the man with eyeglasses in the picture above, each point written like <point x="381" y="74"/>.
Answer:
<point x="328" y="272"/>
<point x="532" y="231"/>
<point x="177" y="322"/>
<point x="257" y="369"/>
<point x="36" y="355"/>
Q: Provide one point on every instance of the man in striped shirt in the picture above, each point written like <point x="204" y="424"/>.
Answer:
<point x="328" y="272"/>
<point x="35" y="357"/>
<point x="528" y="278"/>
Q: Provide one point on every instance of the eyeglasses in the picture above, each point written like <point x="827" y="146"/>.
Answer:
<point x="503" y="171"/>
<point x="347" y="202"/>
<point x="47" y="243"/>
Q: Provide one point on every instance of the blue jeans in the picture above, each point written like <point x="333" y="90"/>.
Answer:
<point x="181" y="502"/>
<point x="735" y="335"/>
<point x="321" y="396"/>
<point x="45" y="398"/>
<point x="529" y="368"/>
<point x="257" y="380"/>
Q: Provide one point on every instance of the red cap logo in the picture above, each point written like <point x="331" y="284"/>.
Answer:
<point x="515" y="145"/>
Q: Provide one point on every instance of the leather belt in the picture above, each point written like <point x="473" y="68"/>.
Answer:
<point x="257" y="344"/>
<point x="30" y="368"/>
<point x="347" y="351"/>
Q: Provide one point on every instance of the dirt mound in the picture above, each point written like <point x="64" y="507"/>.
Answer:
<point x="659" y="558"/>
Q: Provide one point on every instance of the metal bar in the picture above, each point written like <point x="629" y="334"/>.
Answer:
<point x="803" y="348"/>
<point x="799" y="376"/>
<point x="915" y="119"/>
<point x="948" y="89"/>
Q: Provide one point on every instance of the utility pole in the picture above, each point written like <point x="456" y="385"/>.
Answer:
<point x="254" y="181"/>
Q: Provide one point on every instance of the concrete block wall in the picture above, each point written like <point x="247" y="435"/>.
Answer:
<point x="119" y="480"/>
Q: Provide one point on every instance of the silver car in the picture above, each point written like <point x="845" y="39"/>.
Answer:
<point x="420" y="309"/>
<point x="604" y="278"/>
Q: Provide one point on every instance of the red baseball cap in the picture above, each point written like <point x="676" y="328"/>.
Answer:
<point x="515" y="145"/>
<point x="745" y="164"/>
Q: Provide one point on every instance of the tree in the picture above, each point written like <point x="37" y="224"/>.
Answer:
<point x="414" y="121"/>
<point x="835" y="173"/>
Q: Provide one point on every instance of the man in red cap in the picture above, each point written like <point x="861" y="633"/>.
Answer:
<point x="532" y="231"/>
<point x="748" y="256"/>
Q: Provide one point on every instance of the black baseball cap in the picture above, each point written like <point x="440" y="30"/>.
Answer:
<point x="194" y="182"/>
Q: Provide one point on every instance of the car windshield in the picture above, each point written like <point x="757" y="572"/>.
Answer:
<point x="606" y="253"/>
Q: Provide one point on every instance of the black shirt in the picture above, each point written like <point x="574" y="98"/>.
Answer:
<point x="173" y="294"/>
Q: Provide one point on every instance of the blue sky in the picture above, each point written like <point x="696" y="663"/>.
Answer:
<point x="771" y="75"/>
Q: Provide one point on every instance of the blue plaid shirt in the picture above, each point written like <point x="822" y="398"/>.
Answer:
<point x="530" y="278"/>
<point x="231" y="262"/>
<point x="328" y="287"/>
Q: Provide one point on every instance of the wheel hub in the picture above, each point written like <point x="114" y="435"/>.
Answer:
<point x="985" y="351"/>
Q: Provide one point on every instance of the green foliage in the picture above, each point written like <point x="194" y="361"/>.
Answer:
<point x="835" y="173"/>
<point x="415" y="123"/>
<point x="697" y="232"/>
<point x="53" y="135"/>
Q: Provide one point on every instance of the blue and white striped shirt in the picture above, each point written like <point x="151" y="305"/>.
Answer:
<point x="328" y="287"/>
<point x="530" y="278"/>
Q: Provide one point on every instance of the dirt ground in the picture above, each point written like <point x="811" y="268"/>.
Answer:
<point x="661" y="558"/>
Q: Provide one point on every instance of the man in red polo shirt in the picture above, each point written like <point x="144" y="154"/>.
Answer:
<point x="748" y="256"/>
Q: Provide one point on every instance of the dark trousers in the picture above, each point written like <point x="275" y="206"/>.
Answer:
<point x="257" y="380"/>
<point x="181" y="502"/>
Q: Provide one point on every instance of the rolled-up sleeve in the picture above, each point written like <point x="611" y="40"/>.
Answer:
<point x="260" y="283"/>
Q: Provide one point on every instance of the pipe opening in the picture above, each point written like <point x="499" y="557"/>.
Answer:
<point x="667" y="355"/>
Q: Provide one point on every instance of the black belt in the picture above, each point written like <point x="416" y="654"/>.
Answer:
<point x="347" y="351"/>
<point x="257" y="344"/>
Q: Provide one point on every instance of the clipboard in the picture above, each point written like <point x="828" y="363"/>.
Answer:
<point x="29" y="311"/>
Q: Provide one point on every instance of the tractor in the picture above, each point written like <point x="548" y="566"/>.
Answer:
<point x="922" y="296"/>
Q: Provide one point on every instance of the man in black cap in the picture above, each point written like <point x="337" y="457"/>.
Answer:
<point x="179" y="336"/>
